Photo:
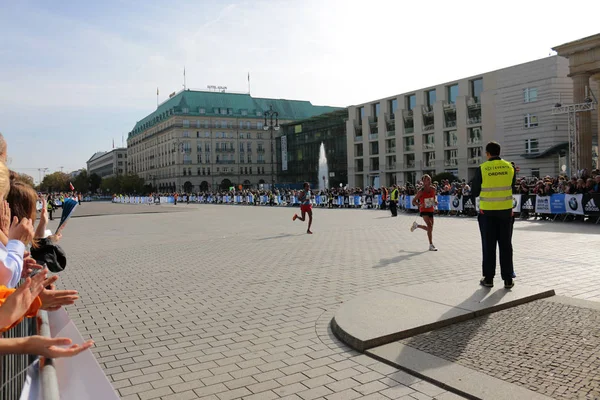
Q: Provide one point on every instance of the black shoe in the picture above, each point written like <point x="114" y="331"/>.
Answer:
<point x="487" y="282"/>
<point x="509" y="284"/>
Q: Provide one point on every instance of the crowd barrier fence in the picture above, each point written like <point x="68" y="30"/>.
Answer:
<point x="556" y="204"/>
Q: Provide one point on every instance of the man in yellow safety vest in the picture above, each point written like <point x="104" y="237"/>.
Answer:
<point x="493" y="183"/>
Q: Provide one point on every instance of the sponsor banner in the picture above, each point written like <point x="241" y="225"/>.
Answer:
<point x="557" y="204"/>
<point x="468" y="203"/>
<point x="542" y="205"/>
<point x="443" y="203"/>
<point x="517" y="203"/>
<point x="574" y="203"/>
<point x="456" y="203"/>
<point x="357" y="201"/>
<point x="528" y="203"/>
<point x="591" y="204"/>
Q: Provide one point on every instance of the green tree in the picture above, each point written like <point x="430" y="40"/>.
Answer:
<point x="95" y="182"/>
<point x="444" y="175"/>
<point x="82" y="181"/>
<point x="55" y="182"/>
<point x="123" y="184"/>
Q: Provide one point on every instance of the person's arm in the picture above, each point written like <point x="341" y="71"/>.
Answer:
<point x="43" y="224"/>
<point x="11" y="256"/>
<point x="16" y="304"/>
<point x="417" y="198"/>
<point x="43" y="346"/>
<point x="476" y="186"/>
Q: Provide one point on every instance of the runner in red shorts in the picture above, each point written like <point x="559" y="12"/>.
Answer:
<point x="305" y="207"/>
<point x="426" y="200"/>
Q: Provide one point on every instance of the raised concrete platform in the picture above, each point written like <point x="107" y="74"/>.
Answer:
<point x="398" y="312"/>
<point x="451" y="376"/>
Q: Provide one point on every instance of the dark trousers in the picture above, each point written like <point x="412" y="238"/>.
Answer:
<point x="496" y="230"/>
<point x="393" y="208"/>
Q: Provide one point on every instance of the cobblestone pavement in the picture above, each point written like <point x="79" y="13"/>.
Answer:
<point x="225" y="302"/>
<point x="548" y="347"/>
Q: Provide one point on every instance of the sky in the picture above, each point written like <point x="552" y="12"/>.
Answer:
<point x="76" y="75"/>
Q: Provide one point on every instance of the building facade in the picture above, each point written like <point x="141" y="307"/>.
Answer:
<point x="444" y="128"/>
<point x="199" y="141"/>
<point x="108" y="163"/>
<point x="299" y="147"/>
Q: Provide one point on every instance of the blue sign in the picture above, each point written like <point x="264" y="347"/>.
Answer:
<point x="444" y="203"/>
<point x="557" y="204"/>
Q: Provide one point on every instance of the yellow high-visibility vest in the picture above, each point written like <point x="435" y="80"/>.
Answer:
<point x="496" y="185"/>
<point x="395" y="195"/>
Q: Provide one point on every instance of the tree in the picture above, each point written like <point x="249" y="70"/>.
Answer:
<point x="81" y="182"/>
<point x="55" y="182"/>
<point x="95" y="182"/>
<point x="123" y="184"/>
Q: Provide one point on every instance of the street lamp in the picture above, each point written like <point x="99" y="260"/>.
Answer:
<point x="272" y="124"/>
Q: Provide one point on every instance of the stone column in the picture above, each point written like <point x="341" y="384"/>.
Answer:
<point x="580" y="82"/>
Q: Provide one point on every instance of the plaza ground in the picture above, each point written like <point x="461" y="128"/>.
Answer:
<point x="225" y="302"/>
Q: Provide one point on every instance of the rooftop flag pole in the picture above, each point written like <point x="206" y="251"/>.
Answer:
<point x="157" y="97"/>
<point x="184" y="78"/>
<point x="248" y="82"/>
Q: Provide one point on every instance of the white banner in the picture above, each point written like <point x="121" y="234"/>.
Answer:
<point x="284" y="160"/>
<point x="517" y="203"/>
<point x="542" y="204"/>
<point x="574" y="203"/>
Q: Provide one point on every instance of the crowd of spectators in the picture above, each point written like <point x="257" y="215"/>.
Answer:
<point x="26" y="286"/>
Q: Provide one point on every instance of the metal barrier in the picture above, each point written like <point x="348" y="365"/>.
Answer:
<point x="14" y="366"/>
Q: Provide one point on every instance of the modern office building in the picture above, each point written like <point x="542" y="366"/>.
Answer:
<point x="108" y="163"/>
<point x="445" y="127"/>
<point x="199" y="140"/>
<point x="299" y="147"/>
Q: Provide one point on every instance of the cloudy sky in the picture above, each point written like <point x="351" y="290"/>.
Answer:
<point x="76" y="75"/>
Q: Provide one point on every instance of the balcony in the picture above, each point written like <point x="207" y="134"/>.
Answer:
<point x="359" y="168"/>
<point x="390" y="166"/>
<point x="373" y="136"/>
<point x="390" y="150"/>
<point x="474" y="160"/>
<point x="391" y="133"/>
<point x="428" y="128"/>
<point x="450" y="124"/>
<point x="428" y="146"/>
<point x="430" y="164"/>
<point x="260" y="151"/>
<point x="448" y="105"/>
<point x="228" y="150"/>
<point x="358" y="138"/>
<point x="261" y="162"/>
<point x="409" y="148"/>
<point x="409" y="130"/>
<point x="474" y="102"/>
<point x="373" y="168"/>
<point x="451" y="163"/>
<point x="225" y="161"/>
<point x="474" y="141"/>
<point x="474" y="120"/>
<point x="408" y="164"/>
<point x="427" y="111"/>
<point x="451" y="143"/>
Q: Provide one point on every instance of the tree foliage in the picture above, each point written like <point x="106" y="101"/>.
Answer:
<point x="55" y="182"/>
<point x="123" y="184"/>
<point x="25" y="179"/>
<point x="444" y="175"/>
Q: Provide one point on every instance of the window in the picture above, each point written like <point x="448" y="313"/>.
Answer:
<point x="376" y="109"/>
<point x="218" y="124"/>
<point x="358" y="150"/>
<point x="186" y="133"/>
<point x="120" y="163"/>
<point x="451" y="139"/>
<point x="411" y="101"/>
<point x="393" y="105"/>
<point x="374" y="148"/>
<point x="535" y="172"/>
<point x="259" y="135"/>
<point x="409" y="143"/>
<point x="202" y="111"/>
<point x="429" y="142"/>
<point x="206" y="124"/>
<point x="249" y="146"/>
<point x="186" y="110"/>
<point x="198" y="122"/>
<point x="452" y="93"/>
<point x="244" y="112"/>
<point x="197" y="134"/>
<point x="531" y="146"/>
<point x="230" y="111"/>
<point x="241" y="135"/>
<point x="529" y="95"/>
<point x="476" y="89"/>
<point x="431" y="97"/>
<point x="207" y="134"/>
<point x="186" y="123"/>
<point x="531" y="121"/>
<point x="360" y="114"/>
<point x="259" y="125"/>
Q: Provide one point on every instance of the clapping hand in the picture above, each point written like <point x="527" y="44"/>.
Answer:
<point x="53" y="299"/>
<point x="4" y="217"/>
<point x="29" y="265"/>
<point x="18" y="302"/>
<point x="22" y="231"/>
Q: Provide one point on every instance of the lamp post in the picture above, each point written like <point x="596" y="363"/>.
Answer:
<point x="272" y="124"/>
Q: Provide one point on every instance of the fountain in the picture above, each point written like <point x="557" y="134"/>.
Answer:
<point x="323" y="170"/>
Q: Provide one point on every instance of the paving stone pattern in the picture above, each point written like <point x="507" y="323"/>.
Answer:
<point x="548" y="347"/>
<point x="226" y="302"/>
